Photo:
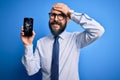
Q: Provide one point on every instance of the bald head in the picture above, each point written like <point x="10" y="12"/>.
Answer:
<point x="60" y="7"/>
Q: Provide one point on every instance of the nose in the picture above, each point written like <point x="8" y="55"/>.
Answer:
<point x="56" y="18"/>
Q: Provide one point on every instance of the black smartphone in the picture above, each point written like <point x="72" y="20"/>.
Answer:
<point x="28" y="26"/>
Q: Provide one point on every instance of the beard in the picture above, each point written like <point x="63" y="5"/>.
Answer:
<point x="54" y="31"/>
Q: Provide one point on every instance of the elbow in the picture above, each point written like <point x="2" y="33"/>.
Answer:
<point x="98" y="33"/>
<point x="31" y="72"/>
<point x="101" y="32"/>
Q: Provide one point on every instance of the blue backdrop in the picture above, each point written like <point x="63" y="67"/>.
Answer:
<point x="98" y="61"/>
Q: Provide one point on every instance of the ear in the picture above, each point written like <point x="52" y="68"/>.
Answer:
<point x="68" y="19"/>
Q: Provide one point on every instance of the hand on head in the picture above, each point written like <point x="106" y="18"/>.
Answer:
<point x="62" y="8"/>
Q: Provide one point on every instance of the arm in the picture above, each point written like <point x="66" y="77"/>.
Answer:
<point x="93" y="30"/>
<point x="30" y="61"/>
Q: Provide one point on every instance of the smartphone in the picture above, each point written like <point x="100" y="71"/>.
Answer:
<point x="28" y="26"/>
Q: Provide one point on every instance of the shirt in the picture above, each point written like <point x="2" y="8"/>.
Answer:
<point x="70" y="44"/>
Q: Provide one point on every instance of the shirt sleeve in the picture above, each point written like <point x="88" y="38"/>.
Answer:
<point x="31" y="60"/>
<point x="92" y="29"/>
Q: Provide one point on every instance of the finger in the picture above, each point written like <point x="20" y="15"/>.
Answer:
<point x="57" y="6"/>
<point x="60" y="7"/>
<point x="22" y="33"/>
<point x="33" y="32"/>
<point x="22" y="29"/>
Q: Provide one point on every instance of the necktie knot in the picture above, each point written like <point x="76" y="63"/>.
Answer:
<point x="56" y="37"/>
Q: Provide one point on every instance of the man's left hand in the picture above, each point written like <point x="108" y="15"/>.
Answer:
<point x="62" y="8"/>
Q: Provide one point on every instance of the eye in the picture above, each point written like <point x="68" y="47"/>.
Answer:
<point x="60" y="15"/>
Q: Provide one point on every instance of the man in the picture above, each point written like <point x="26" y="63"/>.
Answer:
<point x="64" y="66"/>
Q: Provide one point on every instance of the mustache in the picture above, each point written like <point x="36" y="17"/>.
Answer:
<point x="55" y="22"/>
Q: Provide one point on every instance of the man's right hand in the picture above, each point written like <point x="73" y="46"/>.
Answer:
<point x="27" y="40"/>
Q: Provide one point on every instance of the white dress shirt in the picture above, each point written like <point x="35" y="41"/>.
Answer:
<point x="70" y="45"/>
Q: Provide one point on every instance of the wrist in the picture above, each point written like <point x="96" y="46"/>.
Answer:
<point x="28" y="44"/>
<point x="70" y="12"/>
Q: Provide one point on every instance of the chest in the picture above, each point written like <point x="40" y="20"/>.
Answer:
<point x="67" y="52"/>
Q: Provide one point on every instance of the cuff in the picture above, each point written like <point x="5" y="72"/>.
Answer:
<point x="28" y="50"/>
<point x="78" y="17"/>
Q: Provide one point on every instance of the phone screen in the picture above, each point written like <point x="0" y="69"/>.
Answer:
<point x="28" y="26"/>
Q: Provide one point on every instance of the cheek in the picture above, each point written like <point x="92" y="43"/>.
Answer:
<point x="64" y="23"/>
<point x="50" y="21"/>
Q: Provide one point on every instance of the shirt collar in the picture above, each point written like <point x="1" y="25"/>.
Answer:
<point x="63" y="35"/>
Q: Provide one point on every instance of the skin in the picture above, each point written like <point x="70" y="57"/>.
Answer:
<point x="57" y="26"/>
<point x="57" y="8"/>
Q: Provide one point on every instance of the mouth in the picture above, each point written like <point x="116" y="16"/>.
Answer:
<point x="56" y="26"/>
<point x="55" y="23"/>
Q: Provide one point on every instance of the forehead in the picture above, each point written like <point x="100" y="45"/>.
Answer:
<point x="55" y="11"/>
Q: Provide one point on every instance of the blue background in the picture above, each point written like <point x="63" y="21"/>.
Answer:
<point x="98" y="61"/>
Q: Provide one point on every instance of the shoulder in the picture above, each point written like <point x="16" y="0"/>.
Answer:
<point x="45" y="38"/>
<point x="73" y="33"/>
<point x="69" y="34"/>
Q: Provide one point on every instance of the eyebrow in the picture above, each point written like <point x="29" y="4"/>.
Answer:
<point x="54" y="13"/>
<point x="59" y="14"/>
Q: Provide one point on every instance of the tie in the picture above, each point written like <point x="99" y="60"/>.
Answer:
<point x="55" y="60"/>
